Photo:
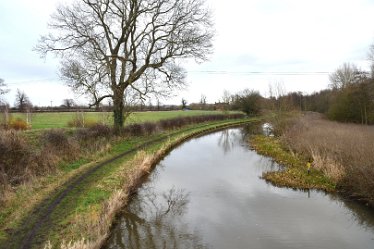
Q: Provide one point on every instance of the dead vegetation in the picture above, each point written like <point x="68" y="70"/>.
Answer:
<point x="344" y="152"/>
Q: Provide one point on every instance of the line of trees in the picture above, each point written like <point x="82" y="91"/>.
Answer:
<point x="350" y="97"/>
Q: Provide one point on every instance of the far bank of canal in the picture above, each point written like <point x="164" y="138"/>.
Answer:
<point x="208" y="193"/>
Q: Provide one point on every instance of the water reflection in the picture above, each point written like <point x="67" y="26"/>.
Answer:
<point x="150" y="222"/>
<point x="267" y="129"/>
<point x="228" y="139"/>
<point x="359" y="213"/>
<point x="208" y="194"/>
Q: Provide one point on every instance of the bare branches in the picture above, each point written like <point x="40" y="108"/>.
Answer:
<point x="346" y="75"/>
<point x="125" y="43"/>
<point x="3" y="89"/>
<point x="22" y="101"/>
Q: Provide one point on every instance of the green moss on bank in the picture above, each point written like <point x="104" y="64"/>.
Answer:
<point x="295" y="173"/>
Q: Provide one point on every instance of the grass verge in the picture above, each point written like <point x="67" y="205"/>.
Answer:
<point x="294" y="173"/>
<point x="84" y="216"/>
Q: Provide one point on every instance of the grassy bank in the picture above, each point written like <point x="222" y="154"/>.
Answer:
<point x="295" y="173"/>
<point x="88" y="211"/>
<point x="343" y="154"/>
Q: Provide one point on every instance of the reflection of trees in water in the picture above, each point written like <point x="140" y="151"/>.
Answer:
<point x="360" y="213"/>
<point x="231" y="137"/>
<point x="153" y="221"/>
<point x="251" y="129"/>
<point x="228" y="139"/>
<point x="224" y="141"/>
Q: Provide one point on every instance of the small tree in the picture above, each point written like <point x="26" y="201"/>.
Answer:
<point x="346" y="75"/>
<point x="68" y="103"/>
<point x="248" y="101"/>
<point x="22" y="101"/>
<point x="203" y="102"/>
<point x="158" y="104"/>
<point x="184" y="104"/>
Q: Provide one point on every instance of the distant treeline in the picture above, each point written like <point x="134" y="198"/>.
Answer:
<point x="353" y="102"/>
<point x="350" y="98"/>
<point x="108" y="108"/>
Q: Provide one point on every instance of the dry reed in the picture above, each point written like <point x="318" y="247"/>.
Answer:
<point x="344" y="152"/>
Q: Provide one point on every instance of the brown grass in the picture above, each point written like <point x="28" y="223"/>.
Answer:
<point x="344" y="152"/>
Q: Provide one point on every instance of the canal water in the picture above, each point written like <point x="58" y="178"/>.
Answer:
<point x="208" y="193"/>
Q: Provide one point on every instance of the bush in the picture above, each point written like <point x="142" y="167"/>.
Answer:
<point x="14" y="156"/>
<point x="55" y="138"/>
<point x="18" y="124"/>
<point x="100" y="130"/>
<point x="134" y="130"/>
<point x="249" y="102"/>
<point x="58" y="143"/>
<point x="149" y="128"/>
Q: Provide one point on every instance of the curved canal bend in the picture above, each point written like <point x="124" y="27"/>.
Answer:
<point x="207" y="193"/>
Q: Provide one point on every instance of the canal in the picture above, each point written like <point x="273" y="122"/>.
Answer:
<point x="208" y="193"/>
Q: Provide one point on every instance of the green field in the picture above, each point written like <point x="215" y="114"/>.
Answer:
<point x="61" y="119"/>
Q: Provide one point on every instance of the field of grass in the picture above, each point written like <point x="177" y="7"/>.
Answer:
<point x="61" y="119"/>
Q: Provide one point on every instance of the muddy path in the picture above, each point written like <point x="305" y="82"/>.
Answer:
<point x="33" y="230"/>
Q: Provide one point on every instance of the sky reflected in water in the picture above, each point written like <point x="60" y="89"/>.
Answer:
<point x="208" y="194"/>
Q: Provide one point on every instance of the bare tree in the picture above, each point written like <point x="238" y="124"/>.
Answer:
<point x="226" y="98"/>
<point x="158" y="104"/>
<point x="108" y="46"/>
<point x="343" y="76"/>
<point x="371" y="59"/>
<point x="22" y="101"/>
<point x="184" y="104"/>
<point x="203" y="99"/>
<point x="278" y="100"/>
<point x="68" y="103"/>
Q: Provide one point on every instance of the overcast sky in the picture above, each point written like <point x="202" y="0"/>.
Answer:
<point x="300" y="37"/>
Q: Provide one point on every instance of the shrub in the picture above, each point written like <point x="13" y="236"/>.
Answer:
<point x="13" y="157"/>
<point x="100" y="130"/>
<point x="55" y="138"/>
<point x="149" y="128"/>
<point x="18" y="124"/>
<point x="134" y="130"/>
<point x="58" y="143"/>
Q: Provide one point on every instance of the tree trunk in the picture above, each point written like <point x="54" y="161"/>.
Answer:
<point x="118" y="109"/>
